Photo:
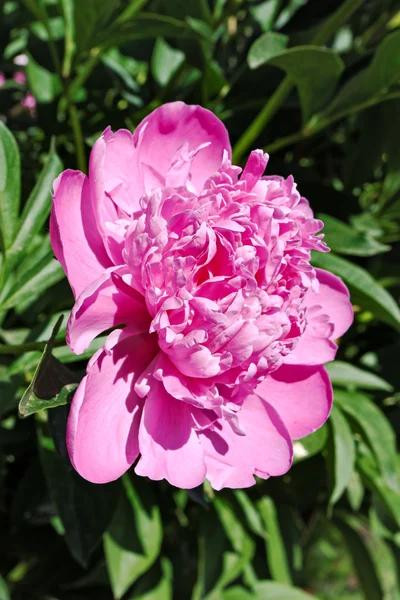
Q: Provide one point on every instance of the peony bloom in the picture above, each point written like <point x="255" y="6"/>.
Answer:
<point x="2" y="79"/>
<point x="221" y="324"/>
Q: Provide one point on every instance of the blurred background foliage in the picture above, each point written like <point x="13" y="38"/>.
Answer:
<point x="317" y="84"/>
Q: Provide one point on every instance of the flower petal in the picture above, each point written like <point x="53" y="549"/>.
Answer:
<point x="329" y="315"/>
<point x="103" y="424"/>
<point x="334" y="298"/>
<point x="301" y="395"/>
<point x="105" y="303"/>
<point x="266" y="448"/>
<point x="165" y="130"/>
<point x="73" y="233"/>
<point x="169" y="446"/>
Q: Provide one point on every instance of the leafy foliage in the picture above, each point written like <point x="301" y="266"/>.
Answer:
<point x="317" y="85"/>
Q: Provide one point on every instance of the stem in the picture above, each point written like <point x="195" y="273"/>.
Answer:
<point x="14" y="349"/>
<point x="312" y="129"/>
<point x="78" y="136"/>
<point x="261" y="120"/>
<point x="332" y="24"/>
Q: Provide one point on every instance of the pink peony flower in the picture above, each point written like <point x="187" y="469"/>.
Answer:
<point x="226" y="325"/>
<point x="2" y="79"/>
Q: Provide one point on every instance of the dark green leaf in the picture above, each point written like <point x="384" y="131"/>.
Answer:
<point x="372" y="82"/>
<point x="344" y="239"/>
<point x="90" y="19"/>
<point x="362" y="560"/>
<point x="10" y="182"/>
<point x="347" y="375"/>
<point x="377" y="431"/>
<point x="343" y="454"/>
<point x="85" y="509"/>
<point x="44" y="84"/>
<point x="275" y="548"/>
<point x="364" y="288"/>
<point x="52" y="384"/>
<point x="266" y="47"/>
<point x="375" y="482"/>
<point x="147" y="26"/>
<point x="314" y="70"/>
<point x="133" y="540"/>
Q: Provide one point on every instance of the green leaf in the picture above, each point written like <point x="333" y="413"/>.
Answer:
<point x="347" y="375"/>
<point x="36" y="210"/>
<point x="147" y="26"/>
<point x="237" y="593"/>
<point x="275" y="548"/>
<point x="363" y="563"/>
<point x="10" y="185"/>
<point x="43" y="276"/>
<point x="377" y="431"/>
<point x="251" y="513"/>
<point x="85" y="509"/>
<point x="314" y="70"/>
<point x="51" y="383"/>
<point x="90" y="19"/>
<point x="372" y="82"/>
<point x="4" y="593"/>
<point x="344" y="239"/>
<point x="165" y="61"/>
<point x="163" y="590"/>
<point x="343" y="454"/>
<point x="265" y="13"/>
<point x="266" y="47"/>
<point x="277" y="591"/>
<point x="133" y="540"/>
<point x="355" y="491"/>
<point x="44" y="84"/>
<point x="310" y="445"/>
<point x="218" y="564"/>
<point x="365" y="290"/>
<point x="374" y="480"/>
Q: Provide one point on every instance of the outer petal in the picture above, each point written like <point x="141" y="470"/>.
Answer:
<point x="74" y="237"/>
<point x="264" y="450"/>
<point x="169" y="446"/>
<point x="114" y="167"/>
<point x="166" y="129"/>
<point x="334" y="298"/>
<point x="105" y="303"/>
<point x="301" y="395"/>
<point x="329" y="315"/>
<point x="102" y="432"/>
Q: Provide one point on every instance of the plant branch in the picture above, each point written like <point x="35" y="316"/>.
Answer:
<point x="317" y="125"/>
<point x="323" y="35"/>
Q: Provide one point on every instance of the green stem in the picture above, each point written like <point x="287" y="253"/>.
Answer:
<point x="282" y="92"/>
<point x="14" y="349"/>
<point x="312" y="129"/>
<point x="78" y="136"/>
